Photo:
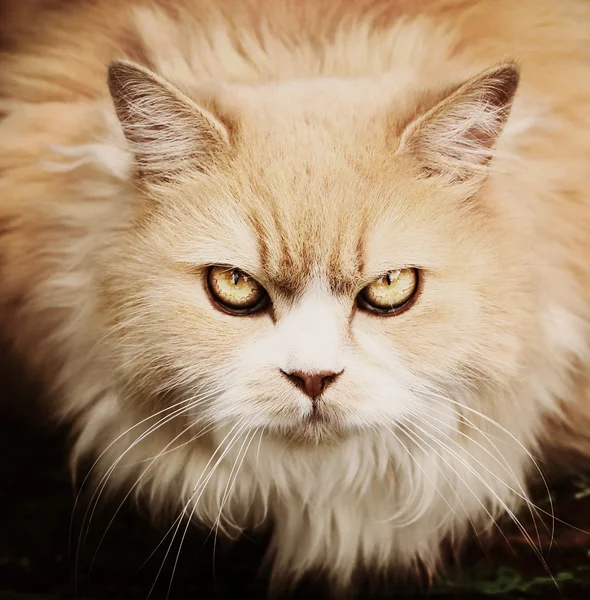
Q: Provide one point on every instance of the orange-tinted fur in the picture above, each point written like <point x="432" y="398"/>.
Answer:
<point x="311" y="130"/>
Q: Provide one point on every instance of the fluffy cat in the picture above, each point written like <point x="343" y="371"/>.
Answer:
<point x="321" y="265"/>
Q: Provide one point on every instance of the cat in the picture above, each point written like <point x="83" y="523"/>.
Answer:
<point x="315" y="265"/>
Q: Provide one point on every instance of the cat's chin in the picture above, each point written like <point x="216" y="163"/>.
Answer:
<point x="316" y="428"/>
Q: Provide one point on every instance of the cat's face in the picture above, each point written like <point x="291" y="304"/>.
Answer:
<point x="311" y="280"/>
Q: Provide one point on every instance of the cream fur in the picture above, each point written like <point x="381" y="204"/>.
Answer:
<point x="288" y="138"/>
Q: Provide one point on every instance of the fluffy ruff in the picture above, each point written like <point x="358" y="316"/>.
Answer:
<point x="437" y="431"/>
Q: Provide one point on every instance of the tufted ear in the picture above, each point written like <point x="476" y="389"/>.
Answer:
<point x="165" y="129"/>
<point x="458" y="135"/>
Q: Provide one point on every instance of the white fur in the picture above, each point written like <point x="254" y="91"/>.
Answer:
<point x="312" y="336"/>
<point x="419" y="459"/>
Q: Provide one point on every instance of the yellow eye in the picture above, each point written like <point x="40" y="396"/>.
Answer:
<point x="235" y="291"/>
<point x="391" y="293"/>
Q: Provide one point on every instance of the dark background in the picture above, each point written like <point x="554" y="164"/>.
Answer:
<point x="37" y="557"/>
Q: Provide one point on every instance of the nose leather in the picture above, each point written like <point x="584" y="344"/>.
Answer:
<point x="312" y="384"/>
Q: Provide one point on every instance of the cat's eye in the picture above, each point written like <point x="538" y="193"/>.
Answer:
<point x="235" y="291"/>
<point x="391" y="294"/>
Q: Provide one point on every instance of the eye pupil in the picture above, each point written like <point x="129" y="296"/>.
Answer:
<point x="235" y="277"/>
<point x="392" y="276"/>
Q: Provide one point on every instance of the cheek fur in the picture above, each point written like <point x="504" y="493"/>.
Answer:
<point x="374" y="387"/>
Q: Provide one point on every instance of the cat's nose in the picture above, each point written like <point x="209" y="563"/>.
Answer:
<point x="313" y="384"/>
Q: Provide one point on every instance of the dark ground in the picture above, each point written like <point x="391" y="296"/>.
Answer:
<point x="37" y="498"/>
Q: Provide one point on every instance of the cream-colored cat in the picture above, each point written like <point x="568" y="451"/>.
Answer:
<point x="317" y="264"/>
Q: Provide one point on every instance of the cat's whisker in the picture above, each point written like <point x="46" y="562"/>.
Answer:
<point x="398" y="514"/>
<point x="412" y="499"/>
<point x="188" y="404"/>
<point x="95" y="499"/>
<point x="231" y="481"/>
<point x="418" y="439"/>
<point x="104" y="480"/>
<point x="198" y="491"/>
<point x="99" y="458"/>
<point x="443" y="400"/>
<point x="232" y="478"/>
<point x="167" y="533"/>
<point x="264" y="507"/>
<point x="503" y="464"/>
<point x="538" y="551"/>
<point x="446" y="401"/>
<point x="210" y="426"/>
<point x="501" y="502"/>
<point x="122" y="435"/>
<point x="466" y="421"/>
<point x="175" y="526"/>
<point x="189" y="520"/>
<point x="153" y="460"/>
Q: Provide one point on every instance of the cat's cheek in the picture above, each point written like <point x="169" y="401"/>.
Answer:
<point x="380" y="387"/>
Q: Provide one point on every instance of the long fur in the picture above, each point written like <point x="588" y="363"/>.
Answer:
<point x="322" y="179"/>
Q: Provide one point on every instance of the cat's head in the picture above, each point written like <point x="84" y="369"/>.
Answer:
<point x="314" y="257"/>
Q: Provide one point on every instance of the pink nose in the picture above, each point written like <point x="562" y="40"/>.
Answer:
<point x="313" y="384"/>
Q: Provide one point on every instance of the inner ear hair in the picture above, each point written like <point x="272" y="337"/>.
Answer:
<point x="165" y="129"/>
<point x="457" y="136"/>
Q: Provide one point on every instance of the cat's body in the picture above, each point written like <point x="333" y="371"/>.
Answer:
<point x="309" y="177"/>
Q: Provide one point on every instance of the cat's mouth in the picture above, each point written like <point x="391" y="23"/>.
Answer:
<point x="316" y="418"/>
<point x="320" y="426"/>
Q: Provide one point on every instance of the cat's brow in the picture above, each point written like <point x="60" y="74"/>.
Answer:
<point x="289" y="265"/>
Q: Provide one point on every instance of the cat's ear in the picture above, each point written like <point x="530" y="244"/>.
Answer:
<point x="457" y="137"/>
<point x="165" y="129"/>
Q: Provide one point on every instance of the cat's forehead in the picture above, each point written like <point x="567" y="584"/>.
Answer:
<point x="293" y="247"/>
<point x="328" y="220"/>
<point x="312" y="195"/>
